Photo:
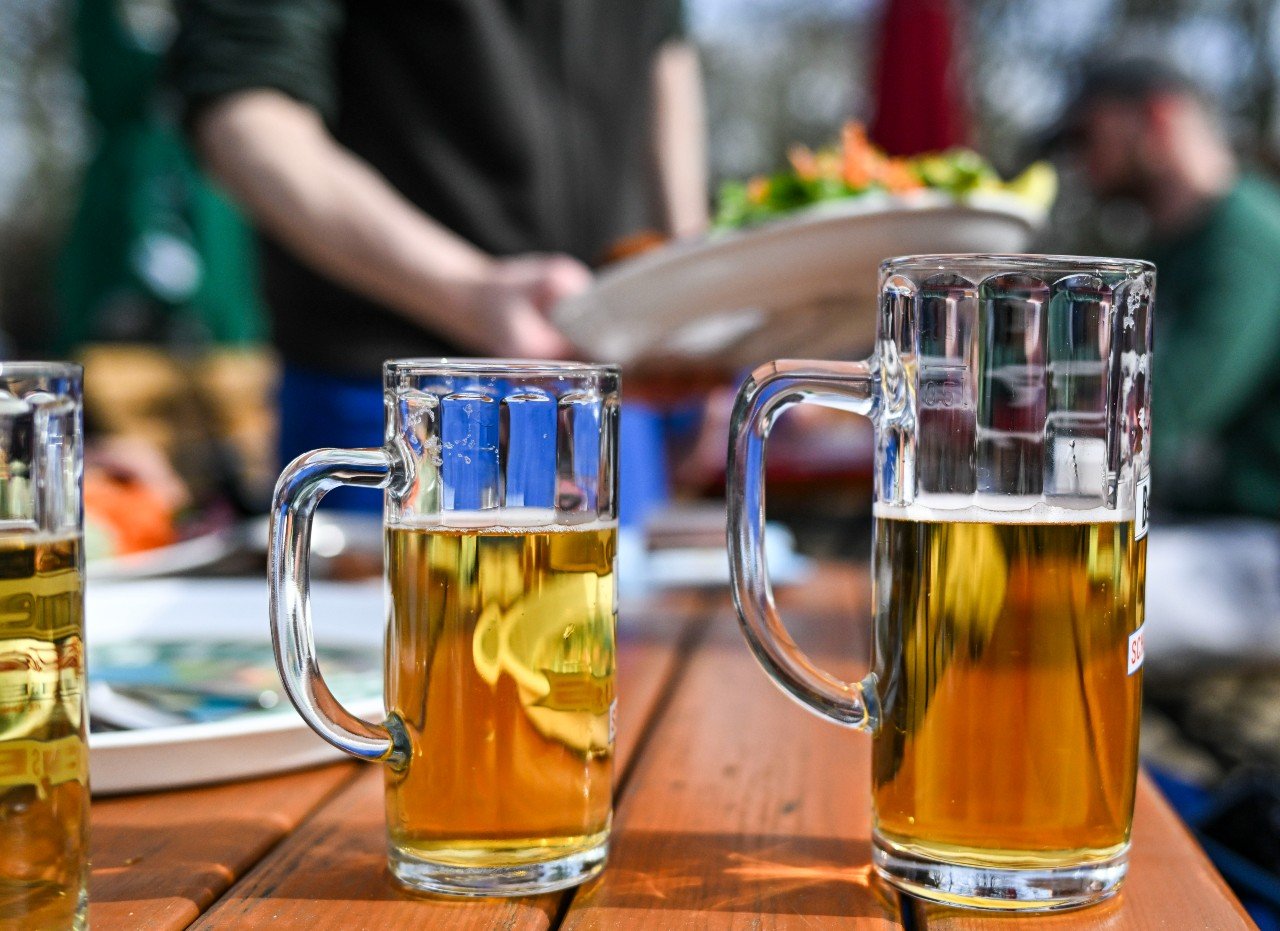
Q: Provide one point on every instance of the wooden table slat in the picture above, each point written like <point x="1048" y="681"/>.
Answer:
<point x="331" y="873"/>
<point x="737" y="809"/>
<point x="744" y="810"/>
<point x="161" y="859"/>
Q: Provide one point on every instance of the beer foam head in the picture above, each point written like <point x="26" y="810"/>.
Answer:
<point x="1001" y="509"/>
<point x="503" y="520"/>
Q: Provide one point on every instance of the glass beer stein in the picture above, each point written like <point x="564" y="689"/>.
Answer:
<point x="499" y="483"/>
<point x="44" y="754"/>
<point x="1011" y="406"/>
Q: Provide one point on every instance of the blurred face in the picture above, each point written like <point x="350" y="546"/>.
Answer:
<point x="1114" y="137"/>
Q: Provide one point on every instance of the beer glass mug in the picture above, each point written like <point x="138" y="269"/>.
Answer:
<point x="44" y="756"/>
<point x="1011" y="407"/>
<point x="500" y="538"/>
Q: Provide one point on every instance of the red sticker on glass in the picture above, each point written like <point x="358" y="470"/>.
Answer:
<point x="1137" y="649"/>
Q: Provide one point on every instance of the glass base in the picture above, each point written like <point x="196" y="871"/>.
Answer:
<point x="81" y="922"/>
<point x="1040" y="889"/>
<point x="44" y="904"/>
<point x="516" y="879"/>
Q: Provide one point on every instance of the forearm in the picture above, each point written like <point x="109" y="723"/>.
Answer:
<point x="679" y="138"/>
<point x="335" y="212"/>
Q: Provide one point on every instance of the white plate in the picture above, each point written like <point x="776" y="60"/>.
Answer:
<point x="800" y="286"/>
<point x="247" y="745"/>
<point x="173" y="559"/>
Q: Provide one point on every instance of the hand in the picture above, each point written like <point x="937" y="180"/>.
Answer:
<point x="508" y="308"/>
<point x="346" y="221"/>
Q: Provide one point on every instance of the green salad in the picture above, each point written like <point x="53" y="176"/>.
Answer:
<point x="855" y="166"/>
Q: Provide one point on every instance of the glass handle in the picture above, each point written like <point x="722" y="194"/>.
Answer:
<point x="300" y="488"/>
<point x="770" y="390"/>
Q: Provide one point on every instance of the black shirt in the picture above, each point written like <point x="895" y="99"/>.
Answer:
<point x="521" y="125"/>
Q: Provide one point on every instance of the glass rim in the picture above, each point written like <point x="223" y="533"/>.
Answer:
<point x="466" y="365"/>
<point x="1017" y="262"/>
<point x="25" y="368"/>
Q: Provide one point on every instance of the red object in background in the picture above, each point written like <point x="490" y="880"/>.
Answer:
<point x="135" y="517"/>
<point x="919" y="106"/>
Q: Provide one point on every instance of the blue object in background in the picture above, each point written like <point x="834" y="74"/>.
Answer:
<point x="317" y="411"/>
<point x="643" y="482"/>
<point x="1251" y="794"/>
<point x="1189" y="800"/>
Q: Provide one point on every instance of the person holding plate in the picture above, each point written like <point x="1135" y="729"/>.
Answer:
<point x="431" y="179"/>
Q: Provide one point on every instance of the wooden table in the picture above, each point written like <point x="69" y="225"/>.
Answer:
<point x="735" y="809"/>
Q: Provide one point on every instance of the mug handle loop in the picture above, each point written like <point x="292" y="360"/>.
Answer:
<point x="300" y="488"/>
<point x="771" y="389"/>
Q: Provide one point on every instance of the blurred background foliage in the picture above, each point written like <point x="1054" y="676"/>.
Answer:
<point x="777" y="71"/>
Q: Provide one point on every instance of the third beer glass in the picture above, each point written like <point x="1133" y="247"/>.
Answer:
<point x="1011" y="405"/>
<point x="44" y="751"/>
<point x="500" y="537"/>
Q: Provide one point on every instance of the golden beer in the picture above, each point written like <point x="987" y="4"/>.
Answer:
<point x="44" y="759"/>
<point x="1010" y="705"/>
<point x="500" y="668"/>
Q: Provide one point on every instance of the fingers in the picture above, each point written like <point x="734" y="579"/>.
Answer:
<point x="533" y="337"/>
<point x="562" y="277"/>
<point x="545" y="280"/>
<point x="513" y="306"/>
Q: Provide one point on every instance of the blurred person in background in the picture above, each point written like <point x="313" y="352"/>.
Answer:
<point x="157" y="297"/>
<point x="1144" y="132"/>
<point x="432" y="178"/>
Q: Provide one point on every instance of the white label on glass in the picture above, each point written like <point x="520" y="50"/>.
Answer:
<point x="1137" y="650"/>
<point x="1142" y="516"/>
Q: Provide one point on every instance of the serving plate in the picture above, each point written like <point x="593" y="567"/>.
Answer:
<point x="173" y="559"/>
<point x="803" y="285"/>
<point x="253" y="743"/>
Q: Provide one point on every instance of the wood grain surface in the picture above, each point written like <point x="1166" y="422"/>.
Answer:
<point x="331" y="873"/>
<point x="161" y="859"/>
<point x="744" y="810"/>
<point x="735" y="809"/>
